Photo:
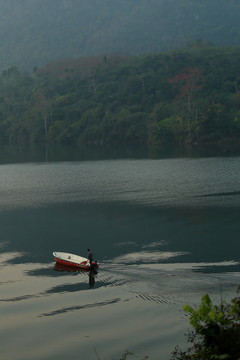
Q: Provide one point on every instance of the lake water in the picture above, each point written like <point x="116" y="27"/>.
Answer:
<point x="165" y="231"/>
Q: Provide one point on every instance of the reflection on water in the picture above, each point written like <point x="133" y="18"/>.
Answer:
<point x="165" y="233"/>
<point x="147" y="256"/>
<point x="91" y="273"/>
<point x="193" y="182"/>
<point x="122" y="290"/>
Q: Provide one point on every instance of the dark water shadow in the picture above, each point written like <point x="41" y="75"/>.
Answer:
<point x="46" y="272"/>
<point x="59" y="289"/>
<point x="229" y="193"/>
<point x="81" y="307"/>
<point x="20" y="298"/>
<point x="23" y="153"/>
<point x="186" y="230"/>
<point x="69" y="288"/>
<point x="217" y="269"/>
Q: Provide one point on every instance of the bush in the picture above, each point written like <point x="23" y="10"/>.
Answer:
<point x="216" y="333"/>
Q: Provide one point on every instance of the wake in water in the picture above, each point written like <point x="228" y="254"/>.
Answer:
<point x="158" y="281"/>
<point x="171" y="283"/>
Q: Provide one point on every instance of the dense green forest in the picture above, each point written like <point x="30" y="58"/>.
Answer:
<point x="188" y="96"/>
<point x="34" y="33"/>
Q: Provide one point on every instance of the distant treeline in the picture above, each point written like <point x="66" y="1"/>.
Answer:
<point x="184" y="96"/>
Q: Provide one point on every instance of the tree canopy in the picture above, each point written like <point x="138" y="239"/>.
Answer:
<point x="183" y="96"/>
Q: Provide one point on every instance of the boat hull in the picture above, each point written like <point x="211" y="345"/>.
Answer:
<point x="64" y="268"/>
<point x="75" y="261"/>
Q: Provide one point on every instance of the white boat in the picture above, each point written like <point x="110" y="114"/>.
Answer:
<point x="75" y="261"/>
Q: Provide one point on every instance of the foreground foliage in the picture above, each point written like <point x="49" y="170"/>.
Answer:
<point x="216" y="333"/>
<point x="186" y="96"/>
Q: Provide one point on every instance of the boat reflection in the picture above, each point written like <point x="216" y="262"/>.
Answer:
<point x="91" y="273"/>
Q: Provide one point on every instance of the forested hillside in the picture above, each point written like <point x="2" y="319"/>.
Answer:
<point x="33" y="33"/>
<point x="181" y="96"/>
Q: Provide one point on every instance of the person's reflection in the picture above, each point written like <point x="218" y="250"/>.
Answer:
<point x="92" y="275"/>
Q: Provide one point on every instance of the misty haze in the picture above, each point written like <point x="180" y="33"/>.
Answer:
<point x="119" y="133"/>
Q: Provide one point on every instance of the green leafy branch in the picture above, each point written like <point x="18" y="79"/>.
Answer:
<point x="216" y="334"/>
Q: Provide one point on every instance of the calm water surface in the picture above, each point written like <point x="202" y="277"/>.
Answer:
<point x="166" y="231"/>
